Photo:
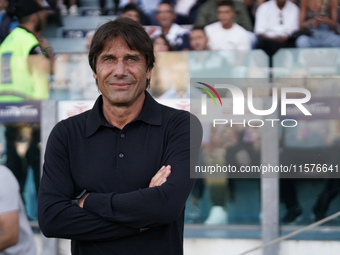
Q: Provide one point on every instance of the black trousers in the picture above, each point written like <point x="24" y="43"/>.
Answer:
<point x="297" y="156"/>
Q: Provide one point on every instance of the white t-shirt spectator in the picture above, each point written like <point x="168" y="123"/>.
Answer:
<point x="235" y="38"/>
<point x="10" y="200"/>
<point x="273" y="22"/>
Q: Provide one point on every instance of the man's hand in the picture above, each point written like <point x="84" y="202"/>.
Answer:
<point x="312" y="22"/>
<point x="82" y="199"/>
<point x="160" y="176"/>
<point x="324" y="20"/>
<point x="281" y="39"/>
<point x="43" y="43"/>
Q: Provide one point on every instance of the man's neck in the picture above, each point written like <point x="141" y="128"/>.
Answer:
<point x="228" y="26"/>
<point x="165" y="30"/>
<point x="29" y="27"/>
<point x="281" y="6"/>
<point x="119" y="116"/>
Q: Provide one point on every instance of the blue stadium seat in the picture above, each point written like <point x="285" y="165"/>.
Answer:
<point x="68" y="45"/>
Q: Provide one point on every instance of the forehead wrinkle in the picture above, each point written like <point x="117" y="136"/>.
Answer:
<point x="110" y="44"/>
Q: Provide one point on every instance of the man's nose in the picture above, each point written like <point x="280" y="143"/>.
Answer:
<point x="120" y="69"/>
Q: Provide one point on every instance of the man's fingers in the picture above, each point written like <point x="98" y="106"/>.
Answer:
<point x="158" y="178"/>
<point x="162" y="174"/>
<point x="163" y="181"/>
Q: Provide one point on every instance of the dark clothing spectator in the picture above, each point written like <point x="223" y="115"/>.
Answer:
<point x="7" y="24"/>
<point x="275" y="22"/>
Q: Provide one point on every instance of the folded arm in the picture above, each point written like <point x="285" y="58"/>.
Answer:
<point x="161" y="204"/>
<point x="57" y="216"/>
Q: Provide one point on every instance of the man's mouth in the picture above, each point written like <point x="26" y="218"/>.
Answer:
<point x="120" y="85"/>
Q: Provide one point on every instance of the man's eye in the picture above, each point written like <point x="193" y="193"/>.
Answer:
<point x="132" y="59"/>
<point x="108" y="59"/>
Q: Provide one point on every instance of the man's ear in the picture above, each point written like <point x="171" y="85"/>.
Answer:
<point x="94" y="75"/>
<point x="34" y="17"/>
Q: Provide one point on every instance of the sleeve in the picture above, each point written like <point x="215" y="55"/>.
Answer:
<point x="245" y="41"/>
<point x="260" y="20"/>
<point x="9" y="191"/>
<point x="36" y="50"/>
<point x="242" y="16"/>
<point x="208" y="33"/>
<point x="201" y="19"/>
<point x="57" y="216"/>
<point x="158" y="205"/>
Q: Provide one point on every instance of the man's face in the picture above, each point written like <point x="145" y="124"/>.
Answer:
<point x="3" y="4"/>
<point x="160" y="45"/>
<point x="225" y="14"/>
<point x="198" y="40"/>
<point x="121" y="73"/>
<point x="134" y="15"/>
<point x="165" y="15"/>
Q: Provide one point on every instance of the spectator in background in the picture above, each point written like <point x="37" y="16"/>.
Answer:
<point x="275" y="22"/>
<point x="207" y="14"/>
<point x="16" y="236"/>
<point x="132" y="11"/>
<point x="303" y="144"/>
<point x="71" y="8"/>
<point x="198" y="39"/>
<point x="320" y="19"/>
<point x="160" y="43"/>
<point x="23" y="75"/>
<point x="185" y="11"/>
<point x="225" y="34"/>
<point x="177" y="36"/>
<point x="148" y="7"/>
<point x="252" y="6"/>
<point x="203" y="62"/>
<point x="104" y="11"/>
<point x="21" y="43"/>
<point x="7" y="20"/>
<point x="82" y="85"/>
<point x="331" y="186"/>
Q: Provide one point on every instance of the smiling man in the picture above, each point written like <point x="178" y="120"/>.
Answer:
<point x="125" y="163"/>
